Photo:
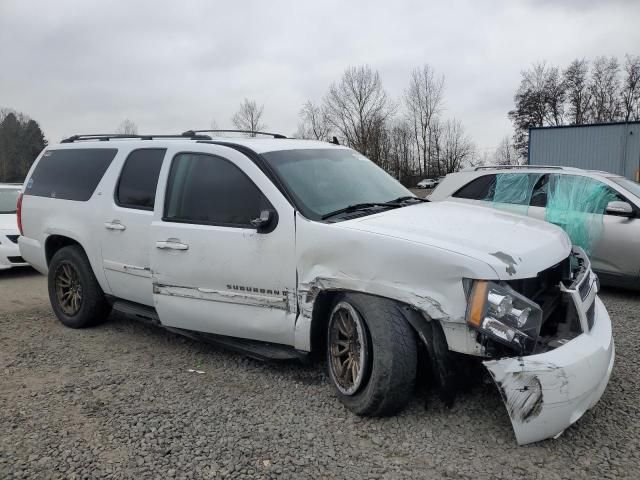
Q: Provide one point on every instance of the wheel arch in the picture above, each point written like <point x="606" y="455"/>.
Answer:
<point x="54" y="243"/>
<point x="429" y="332"/>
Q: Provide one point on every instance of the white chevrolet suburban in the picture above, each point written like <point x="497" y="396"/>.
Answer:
<point x="282" y="248"/>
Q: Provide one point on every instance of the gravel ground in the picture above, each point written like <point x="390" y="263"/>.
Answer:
<point x="118" y="401"/>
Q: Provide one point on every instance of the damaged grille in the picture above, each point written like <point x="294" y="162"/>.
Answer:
<point x="543" y="289"/>
<point x="585" y="288"/>
<point x="591" y="315"/>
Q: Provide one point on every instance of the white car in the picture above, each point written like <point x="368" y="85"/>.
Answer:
<point x="9" y="251"/>
<point x="600" y="210"/>
<point x="427" y="183"/>
<point x="287" y="248"/>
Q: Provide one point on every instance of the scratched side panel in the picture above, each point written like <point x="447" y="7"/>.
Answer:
<point x="228" y="281"/>
<point x="335" y="257"/>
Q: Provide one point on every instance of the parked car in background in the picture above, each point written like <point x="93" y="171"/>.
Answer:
<point x="284" y="248"/>
<point x="598" y="209"/>
<point x="427" y="183"/>
<point x="9" y="251"/>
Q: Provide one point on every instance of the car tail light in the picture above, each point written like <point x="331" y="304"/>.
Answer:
<point x="19" y="213"/>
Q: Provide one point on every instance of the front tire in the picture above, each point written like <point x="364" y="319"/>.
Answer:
<point x="371" y="354"/>
<point x="75" y="295"/>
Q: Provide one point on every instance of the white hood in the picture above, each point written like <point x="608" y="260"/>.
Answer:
<point x="513" y="245"/>
<point x="9" y="223"/>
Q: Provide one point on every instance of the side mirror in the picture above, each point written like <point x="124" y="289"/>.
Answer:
<point x="621" y="209"/>
<point x="265" y="223"/>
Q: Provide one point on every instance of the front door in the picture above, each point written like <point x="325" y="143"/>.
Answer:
<point x="212" y="270"/>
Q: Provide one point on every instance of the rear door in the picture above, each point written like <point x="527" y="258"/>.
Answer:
<point x="126" y="226"/>
<point x="212" y="271"/>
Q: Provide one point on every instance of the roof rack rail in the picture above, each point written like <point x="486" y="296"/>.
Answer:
<point x="515" y="167"/>
<point x="190" y="133"/>
<point x="105" y="137"/>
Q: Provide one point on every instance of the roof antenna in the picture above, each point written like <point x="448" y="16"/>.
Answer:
<point x="335" y="141"/>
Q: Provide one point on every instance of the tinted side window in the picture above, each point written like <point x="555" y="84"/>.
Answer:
<point x="481" y="188"/>
<point x="70" y="174"/>
<point x="211" y="190"/>
<point x="139" y="178"/>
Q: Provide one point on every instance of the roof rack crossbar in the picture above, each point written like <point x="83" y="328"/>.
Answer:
<point x="515" y="167"/>
<point x="190" y="133"/>
<point x="105" y="137"/>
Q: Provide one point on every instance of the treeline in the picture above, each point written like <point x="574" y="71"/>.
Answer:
<point x="583" y="92"/>
<point x="21" y="141"/>
<point x="409" y="137"/>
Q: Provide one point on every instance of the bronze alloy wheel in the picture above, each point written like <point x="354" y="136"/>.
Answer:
<point x="68" y="289"/>
<point x="347" y="348"/>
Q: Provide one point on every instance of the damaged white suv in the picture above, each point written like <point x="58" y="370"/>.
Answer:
<point x="281" y="248"/>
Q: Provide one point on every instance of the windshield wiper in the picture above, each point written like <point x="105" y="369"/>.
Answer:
<point x="407" y="198"/>
<point x="356" y="207"/>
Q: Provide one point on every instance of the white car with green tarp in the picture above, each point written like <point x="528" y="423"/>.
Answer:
<point x="599" y="211"/>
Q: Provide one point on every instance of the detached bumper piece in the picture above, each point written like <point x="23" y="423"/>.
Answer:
<point x="546" y="393"/>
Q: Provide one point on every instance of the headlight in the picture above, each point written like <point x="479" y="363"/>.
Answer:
<point x="504" y="315"/>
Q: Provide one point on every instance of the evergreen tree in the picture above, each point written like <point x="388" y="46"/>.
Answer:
<point x="21" y="141"/>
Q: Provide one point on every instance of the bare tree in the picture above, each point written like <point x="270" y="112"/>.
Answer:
<point x="127" y="127"/>
<point x="506" y="153"/>
<point x="630" y="94"/>
<point x="555" y="95"/>
<point x="577" y="91"/>
<point x="249" y="117"/>
<point x="214" y="124"/>
<point x="457" y="148"/>
<point x="605" y="90"/>
<point x="355" y="106"/>
<point x="314" y="122"/>
<point x="423" y="100"/>
<point x="401" y="153"/>
<point x="539" y="102"/>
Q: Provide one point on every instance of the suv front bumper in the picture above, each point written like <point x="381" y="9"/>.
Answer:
<point x="546" y="393"/>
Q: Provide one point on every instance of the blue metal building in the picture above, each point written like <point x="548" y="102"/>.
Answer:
<point x="612" y="147"/>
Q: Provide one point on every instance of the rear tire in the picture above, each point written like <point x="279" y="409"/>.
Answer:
<point x="373" y="333"/>
<point x="75" y="295"/>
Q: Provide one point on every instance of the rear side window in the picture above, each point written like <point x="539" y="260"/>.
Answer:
<point x="139" y="179"/>
<point x="207" y="189"/>
<point x="481" y="188"/>
<point x="71" y="174"/>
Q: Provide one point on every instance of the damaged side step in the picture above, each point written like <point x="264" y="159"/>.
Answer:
<point x="251" y="348"/>
<point x="137" y="310"/>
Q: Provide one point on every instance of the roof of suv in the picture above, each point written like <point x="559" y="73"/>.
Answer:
<point x="256" y="144"/>
<point x="536" y="168"/>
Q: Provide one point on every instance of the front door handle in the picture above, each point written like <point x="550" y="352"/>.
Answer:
<point x="114" y="225"/>
<point x="171" y="244"/>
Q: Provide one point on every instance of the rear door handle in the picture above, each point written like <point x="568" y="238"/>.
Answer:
<point x="114" y="225"/>
<point x="171" y="244"/>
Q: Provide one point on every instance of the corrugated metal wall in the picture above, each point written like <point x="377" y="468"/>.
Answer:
<point x="613" y="148"/>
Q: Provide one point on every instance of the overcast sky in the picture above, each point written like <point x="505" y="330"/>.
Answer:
<point x="84" y="66"/>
